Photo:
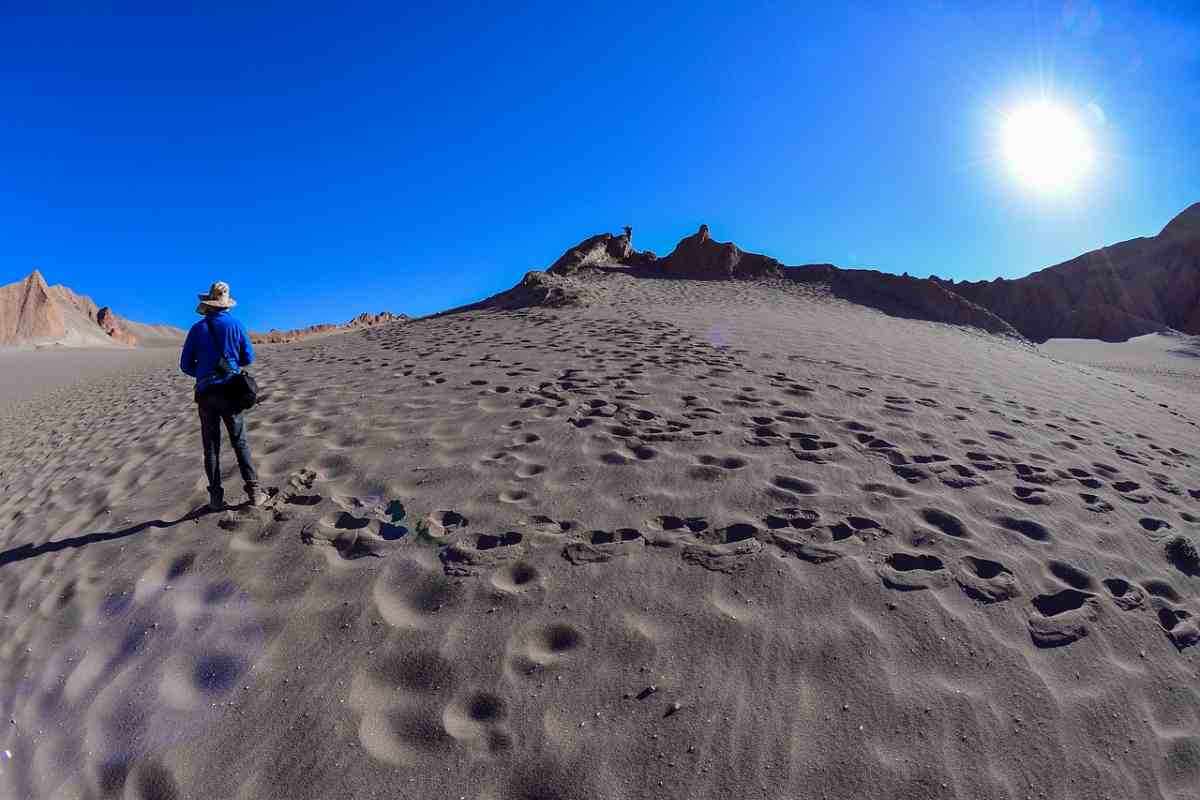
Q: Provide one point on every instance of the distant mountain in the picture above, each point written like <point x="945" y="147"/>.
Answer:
<point x="34" y="314"/>
<point x="364" y="320"/>
<point x="1140" y="286"/>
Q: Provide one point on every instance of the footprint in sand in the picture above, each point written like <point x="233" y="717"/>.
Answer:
<point x="1062" y="617"/>
<point x="547" y="647"/>
<point x="728" y="549"/>
<point x="1026" y="527"/>
<point x="912" y="571"/>
<point x="1181" y="626"/>
<point x="599" y="546"/>
<point x="986" y="580"/>
<point x="1127" y="596"/>
<point x="945" y="522"/>
<point x="669" y="523"/>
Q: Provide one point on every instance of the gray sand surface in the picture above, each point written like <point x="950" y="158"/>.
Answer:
<point x="26" y="374"/>
<point x="1172" y="361"/>
<point x="695" y="540"/>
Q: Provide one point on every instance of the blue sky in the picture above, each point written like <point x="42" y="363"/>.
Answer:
<point x="330" y="159"/>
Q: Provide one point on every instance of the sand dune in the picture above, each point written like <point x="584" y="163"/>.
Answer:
<point x="689" y="540"/>
<point x="1172" y="360"/>
<point x="32" y="375"/>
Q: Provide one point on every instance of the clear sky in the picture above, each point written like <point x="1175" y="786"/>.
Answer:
<point x="335" y="158"/>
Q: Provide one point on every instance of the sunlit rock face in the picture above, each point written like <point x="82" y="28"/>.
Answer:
<point x="112" y="325"/>
<point x="28" y="312"/>
<point x="1128" y="289"/>
<point x="35" y="314"/>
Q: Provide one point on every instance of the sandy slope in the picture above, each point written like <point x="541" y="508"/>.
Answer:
<point x="30" y="374"/>
<point x="1172" y="361"/>
<point x="695" y="540"/>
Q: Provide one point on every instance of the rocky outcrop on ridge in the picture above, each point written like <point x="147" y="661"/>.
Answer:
<point x="364" y="320"/>
<point x="536" y="289"/>
<point x="1127" y="289"/>
<point x="602" y="249"/>
<point x="700" y="256"/>
<point x="34" y="314"/>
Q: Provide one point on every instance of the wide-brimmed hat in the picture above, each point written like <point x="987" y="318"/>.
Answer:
<point x="217" y="297"/>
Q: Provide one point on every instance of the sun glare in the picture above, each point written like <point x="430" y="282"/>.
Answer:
<point x="1047" y="147"/>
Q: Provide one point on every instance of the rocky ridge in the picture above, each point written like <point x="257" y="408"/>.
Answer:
<point x="35" y="314"/>
<point x="362" y="321"/>
<point x="1141" y="286"/>
<point x="1127" y="289"/>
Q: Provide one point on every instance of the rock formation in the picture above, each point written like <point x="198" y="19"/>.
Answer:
<point x="1135" y="287"/>
<point x="364" y="320"/>
<point x="29" y="313"/>
<point x="537" y="288"/>
<point x="1127" y="289"/>
<point x="700" y="256"/>
<point x="602" y="249"/>
<point x="110" y="323"/>
<point x="34" y="314"/>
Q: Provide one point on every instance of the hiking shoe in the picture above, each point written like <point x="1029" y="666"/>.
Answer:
<point x="256" y="498"/>
<point x="216" y="499"/>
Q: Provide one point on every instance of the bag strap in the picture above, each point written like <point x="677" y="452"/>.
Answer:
<point x="217" y="343"/>
<point x="213" y="333"/>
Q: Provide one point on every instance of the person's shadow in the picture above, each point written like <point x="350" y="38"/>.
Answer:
<point x="27" y="551"/>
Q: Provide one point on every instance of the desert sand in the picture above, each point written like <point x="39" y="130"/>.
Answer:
<point x="31" y="375"/>
<point x="1172" y="360"/>
<point x="689" y="540"/>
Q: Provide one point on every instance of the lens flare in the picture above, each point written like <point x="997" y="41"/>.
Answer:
<point x="1047" y="147"/>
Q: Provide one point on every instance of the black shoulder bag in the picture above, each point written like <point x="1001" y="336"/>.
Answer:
<point x="241" y="389"/>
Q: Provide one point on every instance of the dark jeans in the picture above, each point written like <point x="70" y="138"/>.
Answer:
<point x="215" y="409"/>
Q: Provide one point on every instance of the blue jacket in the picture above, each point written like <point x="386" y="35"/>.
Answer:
<point x="200" y="356"/>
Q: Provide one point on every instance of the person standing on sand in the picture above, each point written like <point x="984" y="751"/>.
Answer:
<point x="216" y="349"/>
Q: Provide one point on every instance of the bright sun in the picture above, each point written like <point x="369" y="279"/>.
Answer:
<point x="1047" y="147"/>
